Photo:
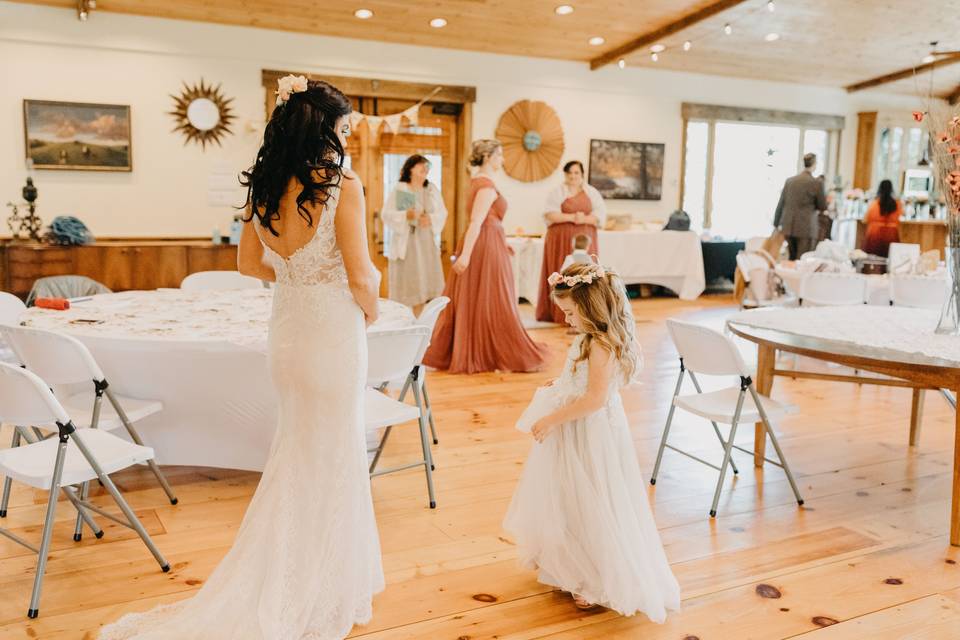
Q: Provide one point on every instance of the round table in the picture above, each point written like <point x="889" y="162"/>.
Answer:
<point x="860" y="337"/>
<point x="203" y="354"/>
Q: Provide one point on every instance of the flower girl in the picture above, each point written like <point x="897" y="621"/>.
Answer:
<point x="580" y="515"/>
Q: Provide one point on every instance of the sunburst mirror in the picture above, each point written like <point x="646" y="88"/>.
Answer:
<point x="532" y="139"/>
<point x="202" y="113"/>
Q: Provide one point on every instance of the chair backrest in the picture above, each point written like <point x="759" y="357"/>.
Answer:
<point x="11" y="308"/>
<point x="923" y="292"/>
<point x="706" y="350"/>
<point x="64" y="287"/>
<point x="428" y="318"/>
<point x="219" y="280"/>
<point x="392" y="353"/>
<point x="754" y="244"/>
<point x="55" y="357"/>
<point x="901" y="256"/>
<point x="826" y="289"/>
<point x="25" y="399"/>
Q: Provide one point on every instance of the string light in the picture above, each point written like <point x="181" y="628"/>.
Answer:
<point x="654" y="56"/>
<point x="927" y="59"/>
<point x="771" y="7"/>
<point x="687" y="45"/>
<point x="622" y="63"/>
<point x="728" y="28"/>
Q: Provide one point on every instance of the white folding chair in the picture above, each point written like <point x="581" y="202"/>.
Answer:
<point x="754" y="243"/>
<point x="709" y="352"/>
<point x="63" y="360"/>
<point x="418" y="375"/>
<point x="219" y="280"/>
<point x="72" y="457"/>
<point x="11" y="308"/>
<point x="902" y="256"/>
<point x="752" y="267"/>
<point x="393" y="354"/>
<point x="832" y="289"/>
<point x="921" y="292"/>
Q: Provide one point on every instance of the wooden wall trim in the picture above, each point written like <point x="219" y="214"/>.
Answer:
<point x="866" y="134"/>
<point x="379" y="88"/>
<point x="696" y="111"/>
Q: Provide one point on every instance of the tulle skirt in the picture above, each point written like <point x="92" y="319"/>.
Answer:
<point x="581" y="518"/>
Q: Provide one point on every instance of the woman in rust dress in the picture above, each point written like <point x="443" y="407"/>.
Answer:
<point x="883" y="221"/>
<point x="573" y="208"/>
<point x="480" y="330"/>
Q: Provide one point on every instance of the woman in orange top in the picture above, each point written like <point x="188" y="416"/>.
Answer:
<point x="883" y="221"/>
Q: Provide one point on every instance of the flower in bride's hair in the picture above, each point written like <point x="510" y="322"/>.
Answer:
<point x="288" y="85"/>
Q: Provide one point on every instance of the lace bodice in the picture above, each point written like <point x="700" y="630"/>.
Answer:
<point x="318" y="261"/>
<point x="572" y="383"/>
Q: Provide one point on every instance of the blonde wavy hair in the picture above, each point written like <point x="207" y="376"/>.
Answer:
<point x="480" y="150"/>
<point x="601" y="298"/>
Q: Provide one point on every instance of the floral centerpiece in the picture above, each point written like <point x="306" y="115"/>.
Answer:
<point x="943" y="124"/>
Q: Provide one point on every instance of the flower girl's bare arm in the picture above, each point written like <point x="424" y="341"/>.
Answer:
<point x="351" y="228"/>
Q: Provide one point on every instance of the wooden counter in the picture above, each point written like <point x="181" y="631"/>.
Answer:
<point x="929" y="234"/>
<point x="118" y="264"/>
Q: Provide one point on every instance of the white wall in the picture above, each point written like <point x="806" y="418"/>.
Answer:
<point x="45" y="53"/>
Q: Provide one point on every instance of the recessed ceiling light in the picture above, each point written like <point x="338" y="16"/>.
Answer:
<point x="771" y="37"/>
<point x="596" y="41"/>
<point x="363" y="14"/>
<point x="563" y="10"/>
<point x="927" y="59"/>
<point x="622" y="63"/>
<point x="687" y="45"/>
<point x="657" y="48"/>
<point x="438" y="23"/>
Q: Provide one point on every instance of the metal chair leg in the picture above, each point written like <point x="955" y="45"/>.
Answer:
<point x="7" y="482"/>
<point x="85" y="487"/>
<point x="376" y="456"/>
<point x="666" y="427"/>
<point x="716" y="428"/>
<point x="418" y="398"/>
<point x="776" y="445"/>
<point x="44" y="550"/>
<point x="427" y="457"/>
<point x="154" y="467"/>
<point x="726" y="452"/>
<point x="128" y="513"/>
<point x="429" y="407"/>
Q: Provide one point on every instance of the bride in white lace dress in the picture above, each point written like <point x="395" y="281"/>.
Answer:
<point x="306" y="561"/>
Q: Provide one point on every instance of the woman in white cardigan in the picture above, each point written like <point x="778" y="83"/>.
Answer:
<point x="415" y="215"/>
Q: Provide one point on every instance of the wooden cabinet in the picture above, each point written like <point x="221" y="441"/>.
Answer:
<point x="929" y="234"/>
<point x="119" y="265"/>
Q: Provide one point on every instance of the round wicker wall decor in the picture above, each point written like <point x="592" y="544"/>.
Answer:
<point x="532" y="139"/>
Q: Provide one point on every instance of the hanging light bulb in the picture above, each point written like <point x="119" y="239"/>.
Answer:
<point x="622" y="63"/>
<point x="654" y="56"/>
<point x="771" y="7"/>
<point x="927" y="59"/>
<point x="687" y="45"/>
<point x="728" y="28"/>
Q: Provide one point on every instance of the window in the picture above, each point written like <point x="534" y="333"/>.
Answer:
<point x="736" y="160"/>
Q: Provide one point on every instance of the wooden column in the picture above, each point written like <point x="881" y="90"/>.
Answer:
<point x="866" y="133"/>
<point x="766" y="359"/>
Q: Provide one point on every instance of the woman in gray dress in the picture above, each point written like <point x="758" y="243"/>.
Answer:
<point x="414" y="215"/>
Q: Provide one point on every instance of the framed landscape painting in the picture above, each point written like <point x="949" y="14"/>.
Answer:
<point x="626" y="170"/>
<point x="77" y="136"/>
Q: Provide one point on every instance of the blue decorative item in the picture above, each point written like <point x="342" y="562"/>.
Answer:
<point x="67" y="230"/>
<point x="531" y="141"/>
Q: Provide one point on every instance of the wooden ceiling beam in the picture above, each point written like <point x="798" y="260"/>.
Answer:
<point x="904" y="73"/>
<point x="652" y="37"/>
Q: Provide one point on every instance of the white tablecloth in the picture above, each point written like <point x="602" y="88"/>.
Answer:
<point x="671" y="259"/>
<point x="202" y="354"/>
<point x="878" y="286"/>
<point x="896" y="330"/>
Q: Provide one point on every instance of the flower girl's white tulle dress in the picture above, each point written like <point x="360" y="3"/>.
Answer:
<point x="306" y="561"/>
<point x="580" y="514"/>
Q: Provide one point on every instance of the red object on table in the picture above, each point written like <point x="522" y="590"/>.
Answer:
<point x="57" y="304"/>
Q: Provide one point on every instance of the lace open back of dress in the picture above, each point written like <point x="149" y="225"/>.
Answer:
<point x="318" y="261"/>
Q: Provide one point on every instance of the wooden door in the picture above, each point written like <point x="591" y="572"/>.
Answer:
<point x="377" y="157"/>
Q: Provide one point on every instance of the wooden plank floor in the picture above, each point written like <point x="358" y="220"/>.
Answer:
<point x="866" y="557"/>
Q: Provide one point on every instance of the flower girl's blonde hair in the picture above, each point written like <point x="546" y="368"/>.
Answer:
<point x="601" y="299"/>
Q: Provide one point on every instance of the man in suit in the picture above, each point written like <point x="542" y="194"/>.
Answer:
<point x="801" y="200"/>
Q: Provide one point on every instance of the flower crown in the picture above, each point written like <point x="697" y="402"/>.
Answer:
<point x="288" y="85"/>
<point x="581" y="278"/>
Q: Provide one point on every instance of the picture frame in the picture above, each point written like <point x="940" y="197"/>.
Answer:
<point x="917" y="183"/>
<point x="623" y="170"/>
<point x="77" y="136"/>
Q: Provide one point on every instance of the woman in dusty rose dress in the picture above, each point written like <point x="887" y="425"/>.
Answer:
<point x="574" y="208"/>
<point x="481" y="330"/>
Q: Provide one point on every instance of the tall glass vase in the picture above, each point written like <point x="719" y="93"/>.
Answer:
<point x="950" y="315"/>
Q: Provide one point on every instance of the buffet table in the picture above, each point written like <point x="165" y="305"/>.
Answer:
<point x="671" y="259"/>
<point x="203" y="354"/>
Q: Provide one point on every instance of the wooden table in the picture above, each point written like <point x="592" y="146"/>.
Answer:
<point x="912" y="370"/>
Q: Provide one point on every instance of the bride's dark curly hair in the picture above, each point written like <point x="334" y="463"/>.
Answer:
<point x="299" y="141"/>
